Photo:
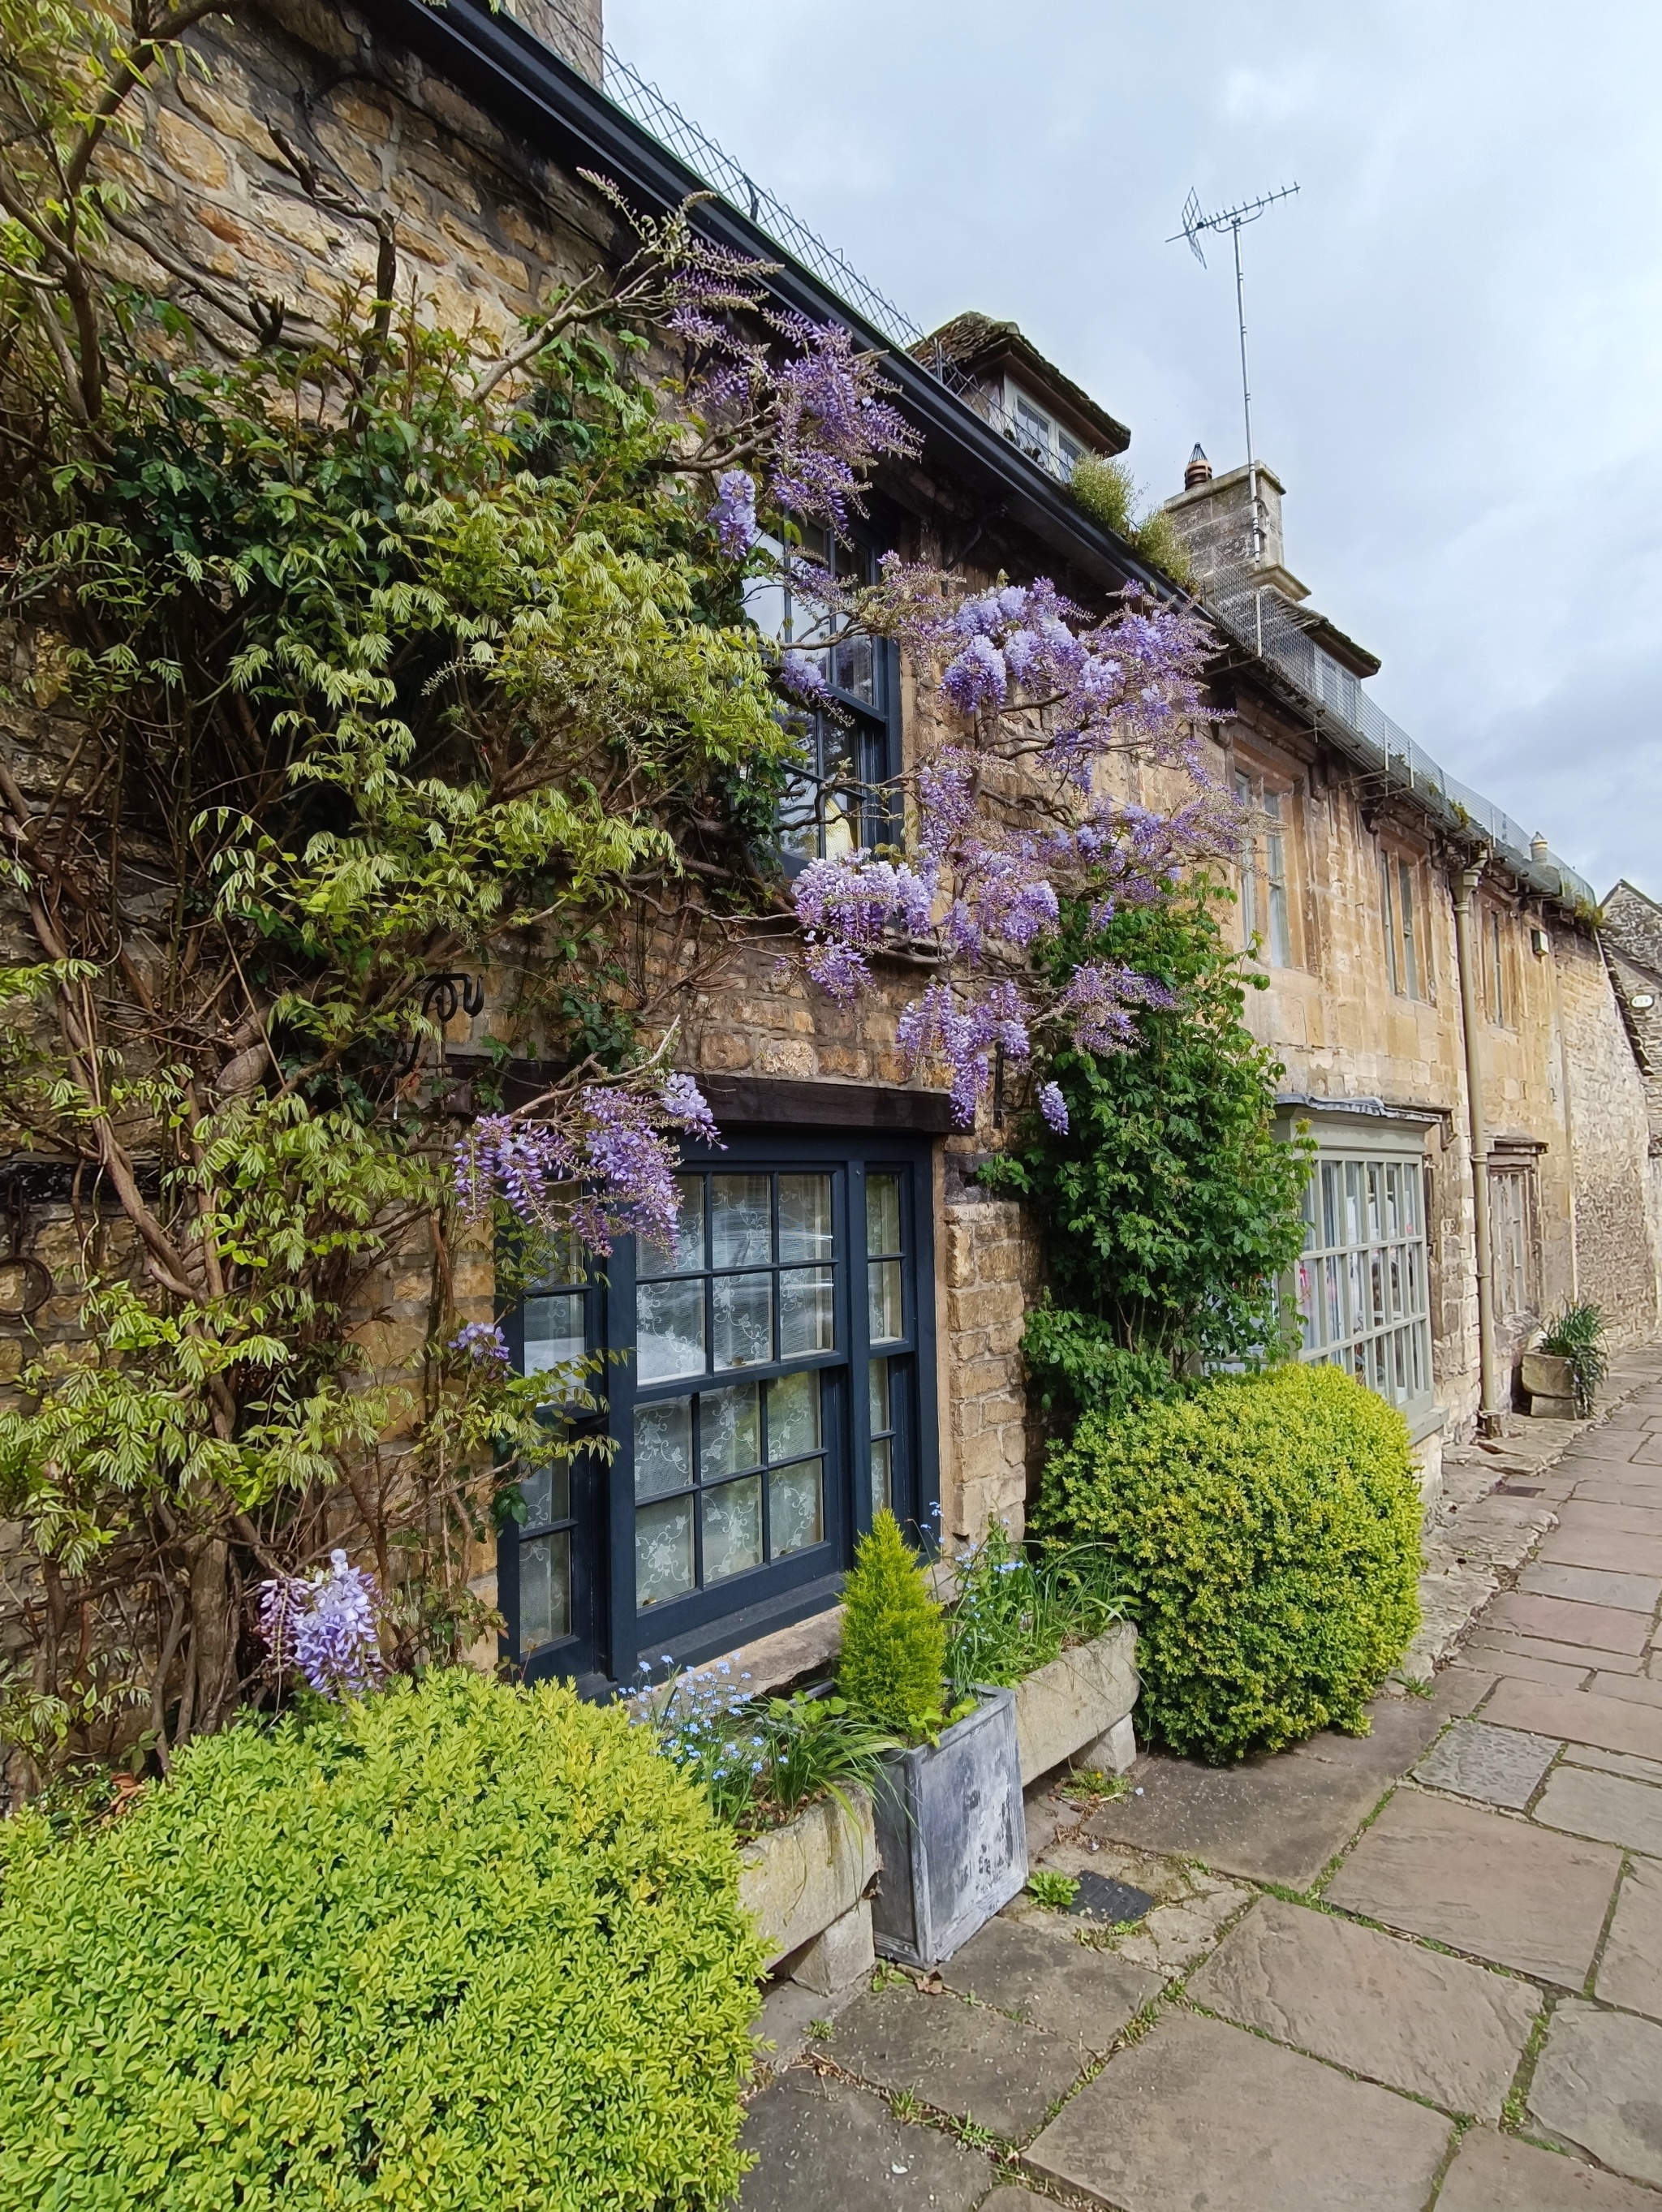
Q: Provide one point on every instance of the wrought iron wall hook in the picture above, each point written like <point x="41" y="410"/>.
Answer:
<point x="442" y="998"/>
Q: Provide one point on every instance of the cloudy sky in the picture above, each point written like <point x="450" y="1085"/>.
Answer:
<point x="1455" y="328"/>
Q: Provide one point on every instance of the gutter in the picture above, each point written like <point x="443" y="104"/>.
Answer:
<point x="559" y="116"/>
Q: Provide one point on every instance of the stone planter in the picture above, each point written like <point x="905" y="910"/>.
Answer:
<point x="952" y="1835"/>
<point x="798" y="1880"/>
<point x="1081" y="1704"/>
<point x="1548" y="1377"/>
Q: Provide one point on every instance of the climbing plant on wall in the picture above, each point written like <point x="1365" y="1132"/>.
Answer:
<point x="359" y="660"/>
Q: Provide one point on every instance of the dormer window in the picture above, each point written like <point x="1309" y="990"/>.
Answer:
<point x="1039" y="434"/>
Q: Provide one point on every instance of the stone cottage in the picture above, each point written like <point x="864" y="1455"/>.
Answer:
<point x="840" y="1326"/>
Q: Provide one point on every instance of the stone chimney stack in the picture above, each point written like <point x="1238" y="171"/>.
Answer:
<point x="1199" y="471"/>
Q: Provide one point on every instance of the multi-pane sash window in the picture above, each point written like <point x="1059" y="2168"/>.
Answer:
<point x="1362" y="1281"/>
<point x="733" y="1474"/>
<point x="1406" y="945"/>
<point x="773" y="1391"/>
<point x="1264" y="901"/>
<point x="840" y="798"/>
<point x="1511" y="1240"/>
<point x="1497" y="984"/>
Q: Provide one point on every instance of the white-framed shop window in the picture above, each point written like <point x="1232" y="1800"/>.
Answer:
<point x="1362" y="1284"/>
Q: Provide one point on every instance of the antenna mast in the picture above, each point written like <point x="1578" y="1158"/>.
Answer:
<point x="1235" y="220"/>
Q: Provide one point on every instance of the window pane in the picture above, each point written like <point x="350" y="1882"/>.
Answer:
<point x="877" y="1391"/>
<point x="545" y="1589"/>
<point x="854" y="669"/>
<point x="882" y="1213"/>
<point x="669" y="1330"/>
<point x="794" y="1497"/>
<point x="651" y="1259"/>
<point x="729" y="1430"/>
<point x="554" y="1332"/>
<point x="741" y="1319"/>
<point x="805" y="1311"/>
<point x="793" y="1416"/>
<point x="663" y="1551"/>
<point x="663" y="1447"/>
<point x="805" y="1217"/>
<point x="732" y="1527"/>
<point x="739" y="1232"/>
<point x="882" y="1475"/>
<point x="1410" y="963"/>
<point x="884" y="1320"/>
<point x="547" y="1494"/>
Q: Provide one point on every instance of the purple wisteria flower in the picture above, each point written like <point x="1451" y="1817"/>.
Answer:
<point x="687" y="1107"/>
<point x="802" y="678"/>
<point x="482" y="1340"/>
<point x="1054" y="1107"/>
<point x="326" y="1624"/>
<point x="605" y="1168"/>
<point x="734" y="513"/>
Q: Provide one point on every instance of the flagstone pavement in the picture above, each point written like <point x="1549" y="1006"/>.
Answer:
<point x="1422" y="1967"/>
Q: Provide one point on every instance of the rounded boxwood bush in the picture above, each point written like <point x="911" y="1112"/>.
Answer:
<point x="1265" y="1530"/>
<point x="458" y="1949"/>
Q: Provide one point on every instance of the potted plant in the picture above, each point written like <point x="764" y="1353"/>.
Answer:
<point x="950" y="1827"/>
<point x="792" y="1777"/>
<point x="1563" y="1371"/>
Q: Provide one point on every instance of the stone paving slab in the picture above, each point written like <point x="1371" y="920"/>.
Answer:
<point x="1607" y="1487"/>
<point x="1612" y="1723"/>
<point x="1599" y="2084"/>
<point x="1580" y="1516"/>
<point x="1485" y="1643"/>
<point x="1496" y="2173"/>
<point x="1562" y="1620"/>
<point x="1628" y="1592"/>
<point x="1280" y="1819"/>
<point x="1499" y="1766"/>
<point x="1377" y="2005"/>
<point x="1630" y="1971"/>
<point x="822" y="2145"/>
<point x="1649" y="1453"/>
<point x="1199" y="2114"/>
<point x="1051" y="1979"/>
<point x="1614" y="1762"/>
<point x="1551" y="1672"/>
<point x="1607" y="1806"/>
<point x="961" y="2058"/>
<point x="1495" y="1887"/>
<point x="1617" y="1550"/>
<point x="1636" y="1689"/>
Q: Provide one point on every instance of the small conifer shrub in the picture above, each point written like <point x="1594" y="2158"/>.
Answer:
<point x="893" y="1664"/>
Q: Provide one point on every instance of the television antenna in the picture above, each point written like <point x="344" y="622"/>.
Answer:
<point x="1235" y="220"/>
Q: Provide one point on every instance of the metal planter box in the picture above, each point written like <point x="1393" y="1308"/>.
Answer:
<point x="952" y="1835"/>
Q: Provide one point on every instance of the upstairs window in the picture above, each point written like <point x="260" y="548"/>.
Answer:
<point x="1498" y="992"/>
<point x="1266" y="903"/>
<point x="1039" y="435"/>
<point x="1407" y="937"/>
<point x="841" y="798"/>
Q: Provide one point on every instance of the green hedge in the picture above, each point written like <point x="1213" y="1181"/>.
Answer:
<point x="1265" y="1531"/>
<point x="458" y="1949"/>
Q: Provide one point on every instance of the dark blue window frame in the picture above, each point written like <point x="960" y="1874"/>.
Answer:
<point x="609" y="1631"/>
